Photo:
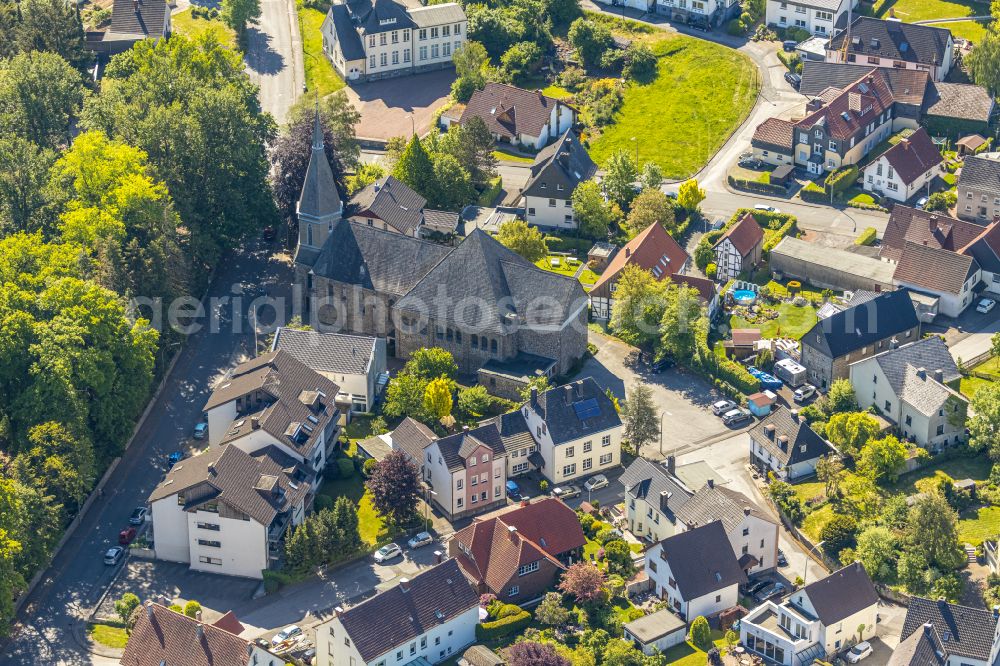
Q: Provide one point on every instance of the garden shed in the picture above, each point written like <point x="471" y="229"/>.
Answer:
<point x="782" y="175"/>
<point x="656" y="631"/>
<point x="830" y="268"/>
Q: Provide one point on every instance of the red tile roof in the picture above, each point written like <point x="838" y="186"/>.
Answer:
<point x="706" y="288"/>
<point x="229" y="623"/>
<point x="913" y="156"/>
<point x="509" y="111"/>
<point x="853" y="108"/>
<point x="744" y="235"/>
<point x="774" y="132"/>
<point x="743" y="337"/>
<point x="928" y="228"/>
<point x="652" y="248"/>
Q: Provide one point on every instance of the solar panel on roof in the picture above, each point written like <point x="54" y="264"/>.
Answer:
<point x="586" y="409"/>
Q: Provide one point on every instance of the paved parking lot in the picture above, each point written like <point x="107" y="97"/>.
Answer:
<point x="400" y="106"/>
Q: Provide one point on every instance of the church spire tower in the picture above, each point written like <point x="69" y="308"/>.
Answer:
<point x="319" y="205"/>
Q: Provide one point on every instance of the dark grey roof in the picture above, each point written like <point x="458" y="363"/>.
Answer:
<point x="456" y="448"/>
<point x="327" y="352"/>
<point x="930" y="353"/>
<point x="981" y="173"/>
<point x="802" y="441"/>
<point x="413" y="437"/>
<point x="647" y="480"/>
<point x="400" y="614"/>
<point x="841" y="594"/>
<point x="656" y="625"/>
<point x="986" y="248"/>
<point x="922" y="648"/>
<point x="480" y="655"/>
<point x="562" y="407"/>
<point x="391" y="201"/>
<point x="863" y="325"/>
<point x="934" y="269"/>
<point x="383" y="261"/>
<point x="908" y="86"/>
<point x="909" y="42"/>
<point x="565" y="163"/>
<point x="714" y="502"/>
<point x="261" y="484"/>
<point x="442" y="221"/>
<point x="347" y="35"/>
<point x="959" y="100"/>
<point x="702" y="561"/>
<point x="512" y="430"/>
<point x="374" y="16"/>
<point x="964" y="631"/>
<point x="147" y="18"/>
<point x="522" y="367"/>
<point x="319" y="197"/>
<point x="484" y="286"/>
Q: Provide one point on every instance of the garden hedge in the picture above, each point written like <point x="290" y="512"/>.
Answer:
<point x="490" y="631"/>
<point x="814" y="193"/>
<point x="842" y="179"/>
<point x="757" y="186"/>
<point x="867" y="237"/>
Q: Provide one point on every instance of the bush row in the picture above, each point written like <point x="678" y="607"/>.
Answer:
<point x="842" y="179"/>
<point x="774" y="236"/>
<point x="860" y="205"/>
<point x="491" y="193"/>
<point x="867" y="237"/>
<point x="814" y="193"/>
<point x="491" y="631"/>
<point x="728" y="371"/>
<point x="756" y="186"/>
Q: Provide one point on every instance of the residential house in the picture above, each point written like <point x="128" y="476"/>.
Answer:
<point x="227" y="510"/>
<point x="740" y="249"/>
<point x="518" y="443"/>
<point x="979" y="188"/>
<point x="772" y="142"/>
<point x="986" y="250"/>
<point x="706" y="290"/>
<point x="752" y="531"/>
<point x="944" y="634"/>
<point x="484" y="302"/>
<point x="354" y="362"/>
<point x="657" y="631"/>
<point x="947" y="278"/>
<point x="468" y="472"/>
<point x="131" y="22"/>
<point x="162" y="636"/>
<point x="518" y="116"/>
<point x="856" y="333"/>
<point x="519" y="553"/>
<point x="784" y="443"/>
<point x="368" y="40"/>
<point x="820" y="17"/>
<point x="391" y="205"/>
<point x="928" y="228"/>
<point x="653" y="498"/>
<point x="576" y="428"/>
<point x="276" y="400"/>
<point x="953" y="109"/>
<point x="697" y="13"/>
<point x="911" y="386"/>
<point x="426" y="620"/>
<point x="695" y="571"/>
<point x="412" y="438"/>
<point x="654" y="250"/>
<point x="555" y="173"/>
<point x="891" y="43"/>
<point x="905" y="169"/>
<point x="815" y="621"/>
<point x="825" y="267"/>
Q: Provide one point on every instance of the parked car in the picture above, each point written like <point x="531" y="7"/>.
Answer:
<point x="291" y="631"/>
<point x="804" y="392"/>
<point x="768" y="592"/>
<point x="718" y="224"/>
<point x="125" y="536"/>
<point x="985" y="305"/>
<point x="114" y="555"/>
<point x="734" y="416"/>
<point x="201" y="430"/>
<point x="921" y="202"/>
<point x="420" y="540"/>
<point x="755" y="586"/>
<point x="174" y="458"/>
<point x="138" y="516"/>
<point x="596" y="482"/>
<point x="789" y="45"/>
<point x="387" y="552"/>
<point x="782" y="560"/>
<point x="513" y="490"/>
<point x="859" y="652"/>
<point x="793" y="79"/>
<point x="722" y="407"/>
<point x="766" y="208"/>
<point x="566" y="492"/>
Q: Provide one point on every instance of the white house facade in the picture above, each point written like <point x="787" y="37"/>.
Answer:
<point x="653" y="496"/>
<point x="816" y="16"/>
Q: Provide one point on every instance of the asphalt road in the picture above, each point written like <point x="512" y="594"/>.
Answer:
<point x="274" y="57"/>
<point x="52" y="620"/>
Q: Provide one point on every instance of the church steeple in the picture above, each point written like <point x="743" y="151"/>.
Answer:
<point x="319" y="204"/>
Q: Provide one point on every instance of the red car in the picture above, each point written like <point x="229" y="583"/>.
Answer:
<point x="125" y="536"/>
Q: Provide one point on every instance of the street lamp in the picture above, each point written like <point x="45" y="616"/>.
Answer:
<point x="805" y="567"/>
<point x="662" y="414"/>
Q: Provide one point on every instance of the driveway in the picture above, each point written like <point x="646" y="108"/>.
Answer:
<point x="400" y="106"/>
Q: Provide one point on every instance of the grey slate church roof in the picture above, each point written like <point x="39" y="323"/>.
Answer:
<point x="319" y="197"/>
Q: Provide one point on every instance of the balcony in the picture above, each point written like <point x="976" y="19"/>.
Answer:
<point x="276" y="532"/>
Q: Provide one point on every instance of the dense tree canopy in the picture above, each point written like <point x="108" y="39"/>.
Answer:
<point x="39" y="93"/>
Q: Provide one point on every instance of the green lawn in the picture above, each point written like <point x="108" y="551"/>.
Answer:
<point x="185" y="23"/>
<point x="504" y="154"/>
<point x="107" y="635"/>
<point x="974" y="31"/>
<point x="806" y="491"/>
<point x="971" y="384"/>
<point x="568" y="267"/>
<point x="977" y="469"/>
<point x="320" y="74"/>
<point x="924" y="10"/>
<point x="978" y="525"/>
<point x="684" y="116"/>
<point x="556" y="92"/>
<point x="686" y="654"/>
<point x="370" y="524"/>
<point x="792" y="322"/>
<point x="815" y="521"/>
<point x="861" y="197"/>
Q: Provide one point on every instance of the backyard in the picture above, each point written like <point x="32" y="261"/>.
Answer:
<point x="974" y="31"/>
<point x="685" y="115"/>
<point x="321" y="77"/>
<point x="186" y="23"/>
<point x="793" y="321"/>
<point x="686" y="654"/>
<point x="980" y="376"/>
<point x="924" y="10"/>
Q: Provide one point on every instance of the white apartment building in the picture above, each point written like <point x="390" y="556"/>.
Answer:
<point x="424" y="620"/>
<point x="375" y="39"/>
<point x="820" y="17"/>
<point x="227" y="511"/>
<point x="653" y="496"/>
<point x="557" y="170"/>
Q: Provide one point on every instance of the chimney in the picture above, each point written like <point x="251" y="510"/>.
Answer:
<point x="568" y="393"/>
<point x="795" y="415"/>
<point x="525" y="501"/>
<point x="255" y="422"/>
<point x="996" y="612"/>
<point x="211" y="469"/>
<point x="746" y="510"/>
<point x="672" y="465"/>
<point x="197" y="615"/>
<point x="711" y="483"/>
<point x="534" y="396"/>
<point x="922" y="373"/>
<point x="404" y="584"/>
<point x="893" y="343"/>
<point x="199" y="631"/>
<point x="149" y="609"/>
<point x="465" y="428"/>
<point x="135" y="6"/>
<point x="814" y="104"/>
<point x="906" y="144"/>
<point x="337" y="610"/>
<point x="249" y="649"/>
<point x="628" y="252"/>
<point x="665" y="500"/>
<point x="512" y="533"/>
<point x="939" y="376"/>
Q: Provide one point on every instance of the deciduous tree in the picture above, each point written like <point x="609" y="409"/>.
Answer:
<point x="533" y="653"/>
<point x="55" y="27"/>
<point x="651" y="206"/>
<point x="583" y="581"/>
<point x="591" y="211"/>
<point x="850" y="431"/>
<point x="395" y="487"/>
<point x="551" y="610"/>
<point x="683" y="323"/>
<point x="437" y="398"/>
<point x="830" y="470"/>
<point x="474" y="400"/>
<point x="22" y="185"/>
<point x="405" y="396"/>
<point x="415" y="167"/>
<point x="238" y="13"/>
<point x="125" y="605"/>
<point x="590" y="39"/>
<point x="882" y="458"/>
<point x="619" y="178"/>
<point x="841" y="397"/>
<point x="640" y="416"/>
<point x="932" y="530"/>
<point x="640" y="301"/>
<point x="39" y="93"/>
<point x="984" y="420"/>
<point x="527" y="241"/>
<point x="690" y="195"/>
<point x="984" y="61"/>
<point x="876" y="550"/>
<point x="430" y="363"/>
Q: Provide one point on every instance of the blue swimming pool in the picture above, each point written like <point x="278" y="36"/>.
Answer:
<point x="744" y="296"/>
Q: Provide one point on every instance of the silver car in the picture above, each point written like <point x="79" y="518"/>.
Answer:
<point x="114" y="555"/>
<point x="722" y="407"/>
<point x="419" y="540"/>
<point x="735" y="416"/>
